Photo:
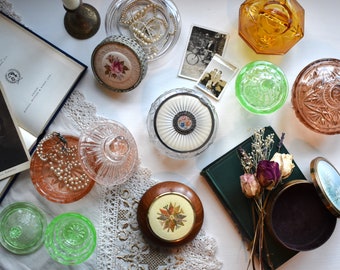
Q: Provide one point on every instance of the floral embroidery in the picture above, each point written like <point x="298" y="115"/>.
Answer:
<point x="116" y="68"/>
<point x="171" y="217"/>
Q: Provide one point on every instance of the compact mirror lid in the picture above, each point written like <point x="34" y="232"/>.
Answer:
<point x="326" y="180"/>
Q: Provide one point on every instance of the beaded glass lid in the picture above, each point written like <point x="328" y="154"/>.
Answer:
<point x="119" y="63"/>
<point x="154" y="24"/>
<point x="182" y="123"/>
<point x="56" y="171"/>
<point x="108" y="153"/>
<point x="316" y="96"/>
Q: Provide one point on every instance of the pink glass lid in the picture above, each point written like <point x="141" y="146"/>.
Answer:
<point x="316" y="96"/>
<point x="56" y="171"/>
<point x="108" y="153"/>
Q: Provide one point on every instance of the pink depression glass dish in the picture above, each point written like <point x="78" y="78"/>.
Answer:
<point x="316" y="96"/>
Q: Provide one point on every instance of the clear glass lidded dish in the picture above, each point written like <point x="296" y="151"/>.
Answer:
<point x="182" y="123"/>
<point x="154" y="24"/>
<point x="108" y="153"/>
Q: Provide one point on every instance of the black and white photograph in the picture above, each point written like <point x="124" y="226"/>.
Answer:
<point x="202" y="45"/>
<point x="14" y="155"/>
<point x="216" y="76"/>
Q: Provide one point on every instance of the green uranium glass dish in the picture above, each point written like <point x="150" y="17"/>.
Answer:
<point x="70" y="238"/>
<point x="261" y="87"/>
<point x="22" y="227"/>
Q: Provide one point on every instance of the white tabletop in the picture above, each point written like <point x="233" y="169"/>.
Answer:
<point x="321" y="40"/>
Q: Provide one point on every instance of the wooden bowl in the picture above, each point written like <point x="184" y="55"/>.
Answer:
<point x="170" y="214"/>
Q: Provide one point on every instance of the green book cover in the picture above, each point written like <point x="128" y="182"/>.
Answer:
<point x="223" y="175"/>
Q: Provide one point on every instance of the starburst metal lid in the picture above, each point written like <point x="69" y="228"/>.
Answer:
<point x="170" y="214"/>
<point x="326" y="180"/>
<point x="119" y="63"/>
<point x="182" y="123"/>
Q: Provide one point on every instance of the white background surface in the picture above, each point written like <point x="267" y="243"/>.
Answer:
<point x="322" y="39"/>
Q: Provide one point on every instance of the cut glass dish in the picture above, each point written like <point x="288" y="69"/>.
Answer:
<point x="316" y="96"/>
<point x="154" y="24"/>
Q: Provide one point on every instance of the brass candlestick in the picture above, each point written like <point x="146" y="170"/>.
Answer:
<point x="82" y="22"/>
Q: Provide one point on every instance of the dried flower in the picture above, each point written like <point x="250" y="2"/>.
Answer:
<point x="268" y="174"/>
<point x="261" y="175"/>
<point x="250" y="186"/>
<point x="285" y="162"/>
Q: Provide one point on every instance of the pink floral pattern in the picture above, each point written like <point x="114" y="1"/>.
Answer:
<point x="115" y="68"/>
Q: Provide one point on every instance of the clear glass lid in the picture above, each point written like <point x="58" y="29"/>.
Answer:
<point x="108" y="153"/>
<point x="154" y="24"/>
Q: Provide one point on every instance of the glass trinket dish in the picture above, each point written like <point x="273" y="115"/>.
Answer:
<point x="70" y="238"/>
<point x="302" y="214"/>
<point x="271" y="27"/>
<point x="108" y="153"/>
<point x="154" y="24"/>
<point x="56" y="172"/>
<point x="261" y="87"/>
<point x="22" y="228"/>
<point x="182" y="123"/>
<point x="316" y="96"/>
<point x="170" y="214"/>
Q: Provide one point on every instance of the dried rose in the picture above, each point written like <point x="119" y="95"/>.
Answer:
<point x="250" y="187"/>
<point x="285" y="163"/>
<point x="268" y="174"/>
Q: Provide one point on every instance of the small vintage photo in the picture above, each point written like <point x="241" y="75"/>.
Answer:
<point x="14" y="156"/>
<point x="216" y="76"/>
<point x="203" y="44"/>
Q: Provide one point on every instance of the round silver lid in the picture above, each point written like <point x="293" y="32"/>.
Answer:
<point x="182" y="123"/>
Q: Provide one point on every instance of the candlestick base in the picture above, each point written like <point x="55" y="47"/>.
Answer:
<point x="83" y="22"/>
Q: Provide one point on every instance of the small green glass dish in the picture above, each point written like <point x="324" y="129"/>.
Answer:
<point x="261" y="87"/>
<point x="70" y="238"/>
<point x="22" y="227"/>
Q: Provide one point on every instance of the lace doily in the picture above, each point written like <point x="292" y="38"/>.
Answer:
<point x="6" y="8"/>
<point x="120" y="243"/>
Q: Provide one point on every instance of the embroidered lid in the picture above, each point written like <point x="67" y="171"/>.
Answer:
<point x="170" y="213"/>
<point x="119" y="63"/>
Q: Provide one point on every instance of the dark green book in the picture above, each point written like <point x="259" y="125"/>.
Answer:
<point x="223" y="175"/>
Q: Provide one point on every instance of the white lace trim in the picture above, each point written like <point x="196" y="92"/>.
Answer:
<point x="6" y="8"/>
<point x="120" y="243"/>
